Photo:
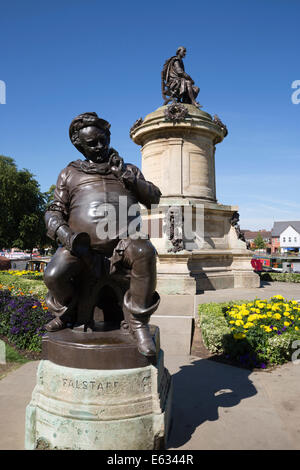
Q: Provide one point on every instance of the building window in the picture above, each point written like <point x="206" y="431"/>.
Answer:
<point x="290" y="239"/>
<point x="283" y="239"/>
<point x="295" y="239"/>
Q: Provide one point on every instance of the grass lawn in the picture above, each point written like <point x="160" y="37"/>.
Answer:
<point x="28" y="286"/>
<point x="14" y="359"/>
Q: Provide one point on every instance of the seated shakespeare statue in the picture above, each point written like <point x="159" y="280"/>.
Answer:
<point x="176" y="83"/>
<point x="89" y="194"/>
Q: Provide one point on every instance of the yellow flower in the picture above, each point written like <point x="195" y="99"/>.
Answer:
<point x="277" y="316"/>
<point x="296" y="328"/>
<point x="252" y="317"/>
<point x="286" y="323"/>
<point x="268" y="329"/>
<point x="239" y="322"/>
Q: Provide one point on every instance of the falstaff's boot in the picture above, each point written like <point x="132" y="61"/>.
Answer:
<point x="138" y="319"/>
<point x="55" y="325"/>
<point x="63" y="315"/>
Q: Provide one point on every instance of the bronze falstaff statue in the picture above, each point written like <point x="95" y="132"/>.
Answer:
<point x="115" y="273"/>
<point x="176" y="83"/>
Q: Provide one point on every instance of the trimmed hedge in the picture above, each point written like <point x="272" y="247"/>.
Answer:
<point x="282" y="277"/>
<point x="213" y="325"/>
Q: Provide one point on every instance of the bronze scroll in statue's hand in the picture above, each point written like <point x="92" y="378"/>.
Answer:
<point x="116" y="164"/>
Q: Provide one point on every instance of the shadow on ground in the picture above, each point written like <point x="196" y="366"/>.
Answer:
<point x="199" y="390"/>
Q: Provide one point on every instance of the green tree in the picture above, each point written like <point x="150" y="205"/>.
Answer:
<point x="22" y="207"/>
<point x="49" y="195"/>
<point x="259" y="242"/>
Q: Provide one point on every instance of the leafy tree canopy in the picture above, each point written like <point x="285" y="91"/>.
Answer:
<point x="259" y="242"/>
<point x="22" y="207"/>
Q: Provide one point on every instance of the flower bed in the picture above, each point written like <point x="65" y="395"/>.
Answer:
<point x="24" y="273"/>
<point x="22" y="318"/>
<point x="257" y="334"/>
<point x="33" y="286"/>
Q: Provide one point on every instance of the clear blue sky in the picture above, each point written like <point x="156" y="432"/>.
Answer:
<point x="62" y="58"/>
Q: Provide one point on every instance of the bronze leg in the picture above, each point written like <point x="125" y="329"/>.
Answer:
<point x="191" y="94"/>
<point x="58" y="277"/>
<point x="141" y="300"/>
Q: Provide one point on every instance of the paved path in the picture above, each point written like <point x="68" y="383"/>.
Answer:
<point x="220" y="407"/>
<point x="15" y="394"/>
<point x="289" y="290"/>
<point x="215" y="406"/>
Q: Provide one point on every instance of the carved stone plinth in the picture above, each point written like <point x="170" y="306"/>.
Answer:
<point x="178" y="155"/>
<point x="107" y="408"/>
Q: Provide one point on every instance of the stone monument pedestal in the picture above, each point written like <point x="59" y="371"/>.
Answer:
<point x="114" y="399"/>
<point x="178" y="146"/>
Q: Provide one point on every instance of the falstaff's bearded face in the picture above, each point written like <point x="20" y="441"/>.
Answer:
<point x="94" y="143"/>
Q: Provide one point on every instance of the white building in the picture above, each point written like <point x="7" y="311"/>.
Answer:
<point x="290" y="239"/>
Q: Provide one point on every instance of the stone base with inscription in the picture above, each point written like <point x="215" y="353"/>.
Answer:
<point x="99" y="409"/>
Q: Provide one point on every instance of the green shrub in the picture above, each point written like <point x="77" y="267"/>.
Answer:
<point x="213" y="326"/>
<point x="13" y="356"/>
<point x="282" y="277"/>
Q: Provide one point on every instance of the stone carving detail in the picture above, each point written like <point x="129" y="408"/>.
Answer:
<point x="176" y="112"/>
<point x="174" y="229"/>
<point x="219" y="123"/>
<point x="137" y="123"/>
<point x="234" y="222"/>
